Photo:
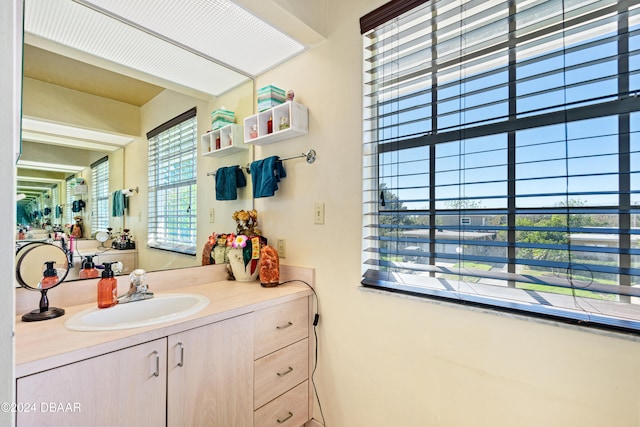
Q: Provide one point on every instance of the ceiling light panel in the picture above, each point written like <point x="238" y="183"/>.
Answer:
<point x="218" y="29"/>
<point x="84" y="29"/>
<point x="50" y="167"/>
<point x="73" y="132"/>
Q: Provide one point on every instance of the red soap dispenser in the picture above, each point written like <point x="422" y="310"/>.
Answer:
<point x="107" y="288"/>
<point x="50" y="277"/>
<point x="89" y="270"/>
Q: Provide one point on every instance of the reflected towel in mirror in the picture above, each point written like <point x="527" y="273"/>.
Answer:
<point x="119" y="203"/>
<point x="228" y="180"/>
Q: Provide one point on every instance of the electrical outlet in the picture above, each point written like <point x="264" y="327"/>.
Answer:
<point x="318" y="213"/>
<point x="282" y="248"/>
<point x="212" y="215"/>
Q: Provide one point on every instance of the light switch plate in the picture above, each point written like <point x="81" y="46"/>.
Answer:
<point x="282" y="248"/>
<point x="318" y="213"/>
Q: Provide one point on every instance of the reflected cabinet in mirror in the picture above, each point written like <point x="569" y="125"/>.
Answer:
<point x="87" y="164"/>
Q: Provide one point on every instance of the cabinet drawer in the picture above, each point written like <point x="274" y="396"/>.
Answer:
<point x="281" y="325"/>
<point x="277" y="372"/>
<point x="289" y="410"/>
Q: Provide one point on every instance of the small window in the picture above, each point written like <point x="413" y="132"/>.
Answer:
<point x="68" y="212"/>
<point x="100" y="195"/>
<point x="172" y="185"/>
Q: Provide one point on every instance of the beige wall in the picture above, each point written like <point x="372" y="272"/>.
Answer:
<point x="388" y="360"/>
<point x="58" y="104"/>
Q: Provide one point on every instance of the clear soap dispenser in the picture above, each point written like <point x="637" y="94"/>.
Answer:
<point x="107" y="288"/>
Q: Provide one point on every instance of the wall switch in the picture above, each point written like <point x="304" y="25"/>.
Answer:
<point x="212" y="215"/>
<point x="318" y="213"/>
<point x="282" y="248"/>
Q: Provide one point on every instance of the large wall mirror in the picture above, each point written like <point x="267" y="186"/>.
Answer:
<point x="80" y="110"/>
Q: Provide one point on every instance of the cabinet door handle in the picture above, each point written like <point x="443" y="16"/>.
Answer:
<point x="284" y="326"/>
<point x="281" y="420"/>
<point x="181" y="362"/>
<point x="288" y="371"/>
<point x="157" y="355"/>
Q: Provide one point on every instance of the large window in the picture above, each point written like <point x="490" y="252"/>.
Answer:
<point x="172" y="184"/>
<point x="502" y="155"/>
<point x="100" y="195"/>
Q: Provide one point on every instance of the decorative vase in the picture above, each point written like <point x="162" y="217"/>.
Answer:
<point x="243" y="272"/>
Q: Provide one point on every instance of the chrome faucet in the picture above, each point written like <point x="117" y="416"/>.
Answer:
<point x="138" y="289"/>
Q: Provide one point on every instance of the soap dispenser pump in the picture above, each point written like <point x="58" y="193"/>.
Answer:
<point x="107" y="288"/>
<point x="50" y="276"/>
<point x="89" y="270"/>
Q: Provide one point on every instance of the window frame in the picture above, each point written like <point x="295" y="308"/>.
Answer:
<point x="386" y="275"/>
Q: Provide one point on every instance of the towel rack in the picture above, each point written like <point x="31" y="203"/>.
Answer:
<point x="246" y="169"/>
<point x="310" y="155"/>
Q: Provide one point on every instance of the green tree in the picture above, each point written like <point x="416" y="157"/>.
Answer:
<point x="544" y="234"/>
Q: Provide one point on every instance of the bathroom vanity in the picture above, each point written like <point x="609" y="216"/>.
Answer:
<point x="243" y="360"/>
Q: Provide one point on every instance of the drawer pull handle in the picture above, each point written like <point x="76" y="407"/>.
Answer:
<point x="288" y="371"/>
<point x="281" y="420"/>
<point x="284" y="326"/>
<point x="157" y="355"/>
<point x="181" y="362"/>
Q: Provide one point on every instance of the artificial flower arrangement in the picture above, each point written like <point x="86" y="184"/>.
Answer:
<point x="246" y="222"/>
<point x="247" y="238"/>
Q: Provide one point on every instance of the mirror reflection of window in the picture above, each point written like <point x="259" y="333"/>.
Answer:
<point x="100" y="195"/>
<point x="69" y="201"/>
<point x="172" y="184"/>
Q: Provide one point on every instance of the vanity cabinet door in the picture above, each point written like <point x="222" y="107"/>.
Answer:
<point x="210" y="375"/>
<point x="123" y="388"/>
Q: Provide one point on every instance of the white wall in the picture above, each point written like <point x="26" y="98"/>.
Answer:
<point x="387" y="360"/>
<point x="11" y="72"/>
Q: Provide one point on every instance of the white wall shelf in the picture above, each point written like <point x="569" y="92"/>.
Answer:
<point x="291" y="114"/>
<point x="231" y="141"/>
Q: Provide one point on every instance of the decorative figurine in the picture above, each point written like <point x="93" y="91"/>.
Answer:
<point x="76" y="229"/>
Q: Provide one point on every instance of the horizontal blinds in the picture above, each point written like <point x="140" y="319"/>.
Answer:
<point x="69" y="200"/>
<point x="172" y="185"/>
<point x="100" y="194"/>
<point x="501" y="149"/>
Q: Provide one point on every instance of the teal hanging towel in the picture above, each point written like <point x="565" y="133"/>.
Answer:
<point x="118" y="204"/>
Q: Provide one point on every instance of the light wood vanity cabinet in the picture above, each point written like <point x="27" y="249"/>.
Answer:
<point x="281" y="348"/>
<point x="210" y="375"/>
<point x="249" y="370"/>
<point x="124" y="388"/>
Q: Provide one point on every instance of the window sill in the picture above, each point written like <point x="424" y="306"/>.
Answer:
<point x="557" y="311"/>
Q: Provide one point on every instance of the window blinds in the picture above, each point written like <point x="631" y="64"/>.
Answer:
<point x="172" y="184"/>
<point x="68" y="212"/>
<point x="100" y="195"/>
<point x="502" y="155"/>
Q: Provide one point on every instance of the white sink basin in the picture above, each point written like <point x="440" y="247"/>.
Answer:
<point x="161" y="308"/>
